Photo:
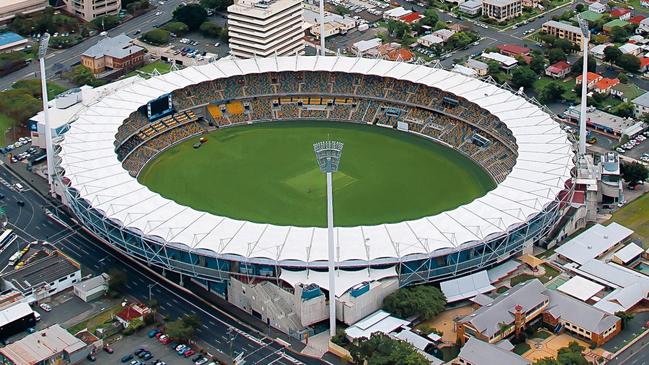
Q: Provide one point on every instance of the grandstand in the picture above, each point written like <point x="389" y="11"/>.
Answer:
<point x="516" y="142"/>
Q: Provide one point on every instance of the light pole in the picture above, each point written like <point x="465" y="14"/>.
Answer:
<point x="322" y="29"/>
<point x="327" y="154"/>
<point x="583" y="24"/>
<point x="151" y="286"/>
<point x="42" y="51"/>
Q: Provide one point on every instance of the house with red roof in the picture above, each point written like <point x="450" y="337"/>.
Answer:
<point x="558" y="70"/>
<point x="620" y="13"/>
<point x="604" y="85"/>
<point x="131" y="313"/>
<point x="637" y="19"/>
<point x="644" y="64"/>
<point x="411" y="18"/>
<point x="513" y="50"/>
<point x="592" y="79"/>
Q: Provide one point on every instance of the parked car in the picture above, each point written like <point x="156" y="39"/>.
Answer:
<point x="154" y="333"/>
<point x="91" y="358"/>
<point x="189" y="353"/>
<point x="108" y="349"/>
<point x="201" y="361"/>
<point x="44" y="306"/>
<point x="126" y="358"/>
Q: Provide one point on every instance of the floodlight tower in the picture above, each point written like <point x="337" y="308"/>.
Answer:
<point x="42" y="51"/>
<point x="322" y="29"/>
<point x="583" y="24"/>
<point x="327" y="154"/>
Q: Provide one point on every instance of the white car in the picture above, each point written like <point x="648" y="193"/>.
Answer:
<point x="158" y="13"/>
<point x="620" y="150"/>
<point x="46" y="307"/>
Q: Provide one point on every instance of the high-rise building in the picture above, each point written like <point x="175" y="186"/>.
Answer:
<point x="265" y="28"/>
<point x="91" y="9"/>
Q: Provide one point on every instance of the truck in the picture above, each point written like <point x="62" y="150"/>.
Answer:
<point x="363" y="27"/>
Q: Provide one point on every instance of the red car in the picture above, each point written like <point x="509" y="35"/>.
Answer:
<point x="165" y="340"/>
<point x="108" y="349"/>
<point x="189" y="353"/>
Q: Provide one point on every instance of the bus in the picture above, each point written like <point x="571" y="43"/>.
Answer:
<point x="6" y="238"/>
<point x="15" y="258"/>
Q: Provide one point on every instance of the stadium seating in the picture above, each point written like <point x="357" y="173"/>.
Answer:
<point x="338" y="96"/>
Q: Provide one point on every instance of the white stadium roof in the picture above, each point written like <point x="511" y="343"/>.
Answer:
<point x="543" y="166"/>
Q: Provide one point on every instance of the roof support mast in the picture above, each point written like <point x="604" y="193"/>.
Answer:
<point x="583" y="24"/>
<point x="322" y="29"/>
<point x="42" y="51"/>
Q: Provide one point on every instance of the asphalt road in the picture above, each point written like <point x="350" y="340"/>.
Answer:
<point x="71" y="55"/>
<point x="218" y="329"/>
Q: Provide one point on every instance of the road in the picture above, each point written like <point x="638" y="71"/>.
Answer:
<point x="31" y="223"/>
<point x="636" y="354"/>
<point x="71" y="55"/>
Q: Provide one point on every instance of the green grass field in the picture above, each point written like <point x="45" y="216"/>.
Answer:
<point x="635" y="217"/>
<point x="268" y="173"/>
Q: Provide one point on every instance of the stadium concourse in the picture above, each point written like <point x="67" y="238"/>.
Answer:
<point x="265" y="268"/>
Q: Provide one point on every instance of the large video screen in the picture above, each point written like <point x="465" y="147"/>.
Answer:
<point x="159" y="106"/>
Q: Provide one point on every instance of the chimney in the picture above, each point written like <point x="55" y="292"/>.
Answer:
<point x="518" y="321"/>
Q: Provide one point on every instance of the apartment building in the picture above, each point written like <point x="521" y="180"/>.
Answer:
<point x="502" y="10"/>
<point x="265" y="28"/>
<point x="563" y="31"/>
<point x="91" y="9"/>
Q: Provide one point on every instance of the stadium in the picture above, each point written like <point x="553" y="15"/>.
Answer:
<point x="524" y="153"/>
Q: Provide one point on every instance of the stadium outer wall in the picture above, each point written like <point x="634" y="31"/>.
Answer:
<point x="214" y="270"/>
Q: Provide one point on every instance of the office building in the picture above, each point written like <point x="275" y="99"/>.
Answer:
<point x="91" y="9"/>
<point x="266" y="28"/>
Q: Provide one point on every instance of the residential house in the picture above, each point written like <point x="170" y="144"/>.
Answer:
<point x="444" y="34"/>
<point x="471" y="7"/>
<point x="506" y="63"/>
<point x="131" y="313"/>
<point x="513" y="50"/>
<point x="429" y="40"/>
<point x="411" y="18"/>
<point x="630" y="48"/>
<point x="598" y="50"/>
<point x="396" y="13"/>
<point x="467" y="71"/>
<point x="502" y="10"/>
<point x="592" y="77"/>
<point x="598" y="7"/>
<point x="604" y="85"/>
<point x="93" y="288"/>
<point x="394" y="52"/>
<point x="117" y="54"/>
<point x="644" y="64"/>
<point x="361" y="47"/>
<point x="637" y="19"/>
<point x="531" y="3"/>
<point x="511" y="312"/>
<point x="563" y="31"/>
<point x="476" y="352"/>
<point x="626" y="92"/>
<point x="643" y="27"/>
<point x="480" y="67"/>
<point x="558" y="70"/>
<point x="614" y="23"/>
<point x="620" y="13"/>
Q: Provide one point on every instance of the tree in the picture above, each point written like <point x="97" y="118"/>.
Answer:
<point x="623" y="78"/>
<point x="546" y="361"/>
<point x="538" y="64"/>
<point x="618" y="34"/>
<point x="342" y="10"/>
<point x="218" y="5"/>
<point x="210" y="29"/>
<point x="551" y="92"/>
<point x="398" y="29"/>
<point x="381" y="349"/>
<point x="523" y="76"/>
<point x="179" y="330"/>
<point x="634" y="172"/>
<point x="423" y="300"/>
<point x="106" y="22"/>
<point x="34" y="87"/>
<point x="611" y="54"/>
<point x="592" y="65"/>
<point x="624" y="110"/>
<point x="178" y="28"/>
<point x="579" y="8"/>
<point x="19" y="104"/>
<point x="625" y="317"/>
<point x="459" y="40"/>
<point x="572" y="355"/>
<point x="628" y="62"/>
<point x="81" y="75"/>
<point x="430" y="18"/>
<point x="117" y="279"/>
<point x="494" y="67"/>
<point x="192" y="14"/>
<point x="556" y="55"/>
<point x="157" y="37"/>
